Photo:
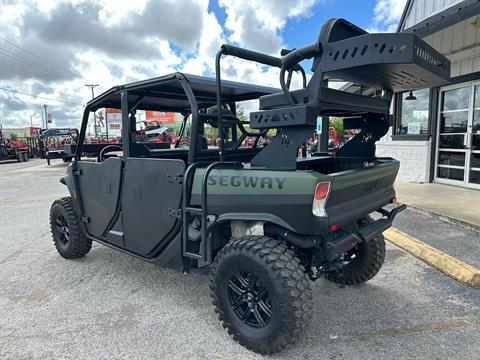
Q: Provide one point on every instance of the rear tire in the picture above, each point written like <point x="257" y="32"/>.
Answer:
<point x="367" y="262"/>
<point x="68" y="238"/>
<point x="261" y="293"/>
<point x="184" y="144"/>
<point x="19" y="157"/>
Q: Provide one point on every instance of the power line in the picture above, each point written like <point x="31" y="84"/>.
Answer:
<point x="8" y="53"/>
<point x="36" y="56"/>
<point x="41" y="97"/>
<point x="12" y="71"/>
<point x="24" y="83"/>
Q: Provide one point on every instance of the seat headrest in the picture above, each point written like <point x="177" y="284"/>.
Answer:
<point x="335" y="30"/>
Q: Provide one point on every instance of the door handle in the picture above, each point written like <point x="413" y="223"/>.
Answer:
<point x="468" y="140"/>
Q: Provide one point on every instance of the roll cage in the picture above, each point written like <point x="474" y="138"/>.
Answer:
<point x="189" y="95"/>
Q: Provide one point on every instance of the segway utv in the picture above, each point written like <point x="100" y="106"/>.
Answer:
<point x="263" y="221"/>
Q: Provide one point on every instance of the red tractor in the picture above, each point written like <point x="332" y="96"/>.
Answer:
<point x="13" y="149"/>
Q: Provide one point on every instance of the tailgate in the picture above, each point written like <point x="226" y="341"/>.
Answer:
<point x="356" y="193"/>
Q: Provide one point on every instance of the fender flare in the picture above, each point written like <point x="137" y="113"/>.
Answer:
<point x="268" y="218"/>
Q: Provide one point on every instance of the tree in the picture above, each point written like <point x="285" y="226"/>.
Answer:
<point x="337" y="123"/>
<point x="13" y="137"/>
<point x="241" y="113"/>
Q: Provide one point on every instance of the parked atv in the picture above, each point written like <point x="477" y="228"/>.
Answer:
<point x="263" y="221"/>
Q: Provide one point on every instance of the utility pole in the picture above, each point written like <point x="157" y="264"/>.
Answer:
<point x="93" y="86"/>
<point x="46" y="116"/>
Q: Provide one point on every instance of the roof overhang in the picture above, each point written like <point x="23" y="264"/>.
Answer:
<point x="443" y="19"/>
<point x="166" y="93"/>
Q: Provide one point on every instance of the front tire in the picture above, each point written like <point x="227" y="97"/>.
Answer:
<point x="68" y="238"/>
<point x="364" y="261"/>
<point x="261" y="293"/>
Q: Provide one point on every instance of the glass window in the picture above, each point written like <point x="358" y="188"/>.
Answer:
<point x="456" y="99"/>
<point x="475" y="177"/>
<point x="414" y="114"/>
<point x="452" y="141"/>
<point x="475" y="160"/>
<point x="454" y="122"/>
<point x="477" y="96"/>
<point x="449" y="173"/>
<point x="451" y="158"/>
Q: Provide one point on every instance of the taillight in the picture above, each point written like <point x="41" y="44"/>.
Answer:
<point x="320" y="198"/>
<point x="335" y="227"/>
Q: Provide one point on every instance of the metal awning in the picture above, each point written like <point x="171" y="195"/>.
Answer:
<point x="441" y="20"/>
<point x="166" y="93"/>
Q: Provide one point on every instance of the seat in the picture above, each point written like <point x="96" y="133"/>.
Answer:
<point x="388" y="62"/>
<point x="274" y="101"/>
<point x="333" y="30"/>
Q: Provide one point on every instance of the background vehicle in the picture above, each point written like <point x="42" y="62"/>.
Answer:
<point x="155" y="132"/>
<point x="13" y="149"/>
<point x="262" y="220"/>
<point x="52" y="143"/>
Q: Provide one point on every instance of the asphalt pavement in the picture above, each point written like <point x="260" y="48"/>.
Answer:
<point x="109" y="305"/>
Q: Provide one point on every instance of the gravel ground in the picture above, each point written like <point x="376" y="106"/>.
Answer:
<point x="112" y="306"/>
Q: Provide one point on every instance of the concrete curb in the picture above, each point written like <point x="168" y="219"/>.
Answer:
<point x="450" y="266"/>
<point x="444" y="217"/>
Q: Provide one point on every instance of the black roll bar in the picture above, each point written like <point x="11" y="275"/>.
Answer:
<point x="250" y="55"/>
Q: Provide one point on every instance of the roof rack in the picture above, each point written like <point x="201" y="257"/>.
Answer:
<point x="389" y="62"/>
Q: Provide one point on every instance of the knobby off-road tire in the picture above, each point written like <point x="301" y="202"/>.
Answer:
<point x="258" y="277"/>
<point x="68" y="238"/>
<point x="368" y="260"/>
<point x="184" y="144"/>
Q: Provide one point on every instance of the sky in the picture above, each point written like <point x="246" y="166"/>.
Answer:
<point x="49" y="49"/>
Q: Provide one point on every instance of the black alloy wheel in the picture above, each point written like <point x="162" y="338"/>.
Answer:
<point x="249" y="299"/>
<point x="261" y="293"/>
<point x="70" y="241"/>
<point x="61" y="231"/>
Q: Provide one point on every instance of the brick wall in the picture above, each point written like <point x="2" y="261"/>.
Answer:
<point x="414" y="157"/>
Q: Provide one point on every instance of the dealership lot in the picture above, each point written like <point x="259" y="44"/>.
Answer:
<point x="112" y="306"/>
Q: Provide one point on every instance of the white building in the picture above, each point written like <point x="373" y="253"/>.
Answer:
<point x="437" y="136"/>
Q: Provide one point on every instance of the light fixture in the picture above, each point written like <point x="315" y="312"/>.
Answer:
<point x="411" y="96"/>
<point x="476" y="22"/>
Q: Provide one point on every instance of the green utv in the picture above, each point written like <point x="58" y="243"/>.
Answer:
<point x="261" y="219"/>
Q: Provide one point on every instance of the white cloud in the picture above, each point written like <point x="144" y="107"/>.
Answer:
<point x="387" y="14"/>
<point x="256" y="24"/>
<point x="211" y="39"/>
<point x="98" y="41"/>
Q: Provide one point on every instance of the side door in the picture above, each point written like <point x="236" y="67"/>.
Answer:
<point x="150" y="189"/>
<point x="99" y="190"/>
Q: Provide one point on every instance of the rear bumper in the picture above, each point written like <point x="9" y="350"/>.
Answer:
<point x="370" y="231"/>
<point x="347" y="241"/>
